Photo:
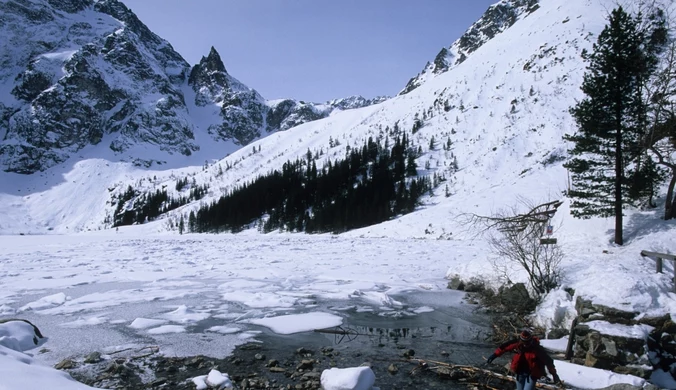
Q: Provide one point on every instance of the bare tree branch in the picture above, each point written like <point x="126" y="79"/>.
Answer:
<point x="515" y="238"/>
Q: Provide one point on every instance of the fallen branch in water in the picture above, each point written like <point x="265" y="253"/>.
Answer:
<point x="477" y="375"/>
<point x="153" y="350"/>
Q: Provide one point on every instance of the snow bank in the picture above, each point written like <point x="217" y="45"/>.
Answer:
<point x="353" y="378"/>
<point x="19" y="336"/>
<point x="20" y="371"/>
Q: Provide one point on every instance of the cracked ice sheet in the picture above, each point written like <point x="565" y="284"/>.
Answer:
<point x="102" y="300"/>
<point x="205" y="285"/>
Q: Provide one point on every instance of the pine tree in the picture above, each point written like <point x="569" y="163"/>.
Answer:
<point x="411" y="166"/>
<point x="610" y="121"/>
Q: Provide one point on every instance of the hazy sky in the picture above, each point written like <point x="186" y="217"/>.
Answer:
<point x="313" y="50"/>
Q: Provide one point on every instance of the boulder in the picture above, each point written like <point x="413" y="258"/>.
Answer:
<point x="456" y="283"/>
<point x="516" y="298"/>
<point x="475" y="285"/>
<point x="557" y="333"/>
<point x="589" y="311"/>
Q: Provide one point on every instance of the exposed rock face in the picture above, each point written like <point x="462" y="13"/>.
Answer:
<point x="242" y="109"/>
<point x="353" y="102"/>
<point x="288" y="113"/>
<point x="498" y="18"/>
<point x="245" y="115"/>
<point x="79" y="71"/>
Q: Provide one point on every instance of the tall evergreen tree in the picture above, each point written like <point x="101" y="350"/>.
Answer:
<point x="610" y="121"/>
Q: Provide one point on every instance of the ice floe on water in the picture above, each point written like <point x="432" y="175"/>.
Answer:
<point x="167" y="329"/>
<point x="184" y="315"/>
<point x="45" y="302"/>
<point x="224" y="329"/>
<point x="296" y="323"/>
<point x="144" y="323"/>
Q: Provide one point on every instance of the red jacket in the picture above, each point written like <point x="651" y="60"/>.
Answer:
<point x="528" y="359"/>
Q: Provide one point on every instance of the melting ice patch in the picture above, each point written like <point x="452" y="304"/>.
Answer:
<point x="296" y="323"/>
<point x="378" y="298"/>
<point x="184" y="315"/>
<point x="259" y="299"/>
<point x="45" y="302"/>
<point x="224" y="329"/>
<point x="144" y="323"/>
<point x="167" y="329"/>
<point x="85" y="321"/>
<point x="423" y="309"/>
<point x="248" y="334"/>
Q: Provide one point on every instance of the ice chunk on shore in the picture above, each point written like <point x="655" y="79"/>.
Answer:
<point x="353" y="378"/>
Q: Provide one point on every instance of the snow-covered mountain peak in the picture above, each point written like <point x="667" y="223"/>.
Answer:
<point x="497" y="18"/>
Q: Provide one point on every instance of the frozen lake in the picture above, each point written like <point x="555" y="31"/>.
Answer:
<point x="205" y="294"/>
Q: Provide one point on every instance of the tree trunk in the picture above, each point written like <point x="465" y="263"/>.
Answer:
<point x="670" y="204"/>
<point x="619" y="174"/>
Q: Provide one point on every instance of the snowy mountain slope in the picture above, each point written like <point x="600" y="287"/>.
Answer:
<point x="505" y="109"/>
<point x="78" y="71"/>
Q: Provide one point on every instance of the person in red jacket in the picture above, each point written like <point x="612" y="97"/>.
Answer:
<point x="529" y="360"/>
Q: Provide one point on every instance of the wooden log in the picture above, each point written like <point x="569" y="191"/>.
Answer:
<point x="656" y="254"/>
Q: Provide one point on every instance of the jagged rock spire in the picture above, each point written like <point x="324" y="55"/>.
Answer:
<point x="210" y="70"/>
<point x="213" y="61"/>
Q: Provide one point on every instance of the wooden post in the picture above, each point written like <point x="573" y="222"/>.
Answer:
<point x="571" y="339"/>
<point x="660" y="257"/>
<point x="674" y="264"/>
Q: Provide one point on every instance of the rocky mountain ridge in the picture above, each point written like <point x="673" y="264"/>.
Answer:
<point x="497" y="18"/>
<point x="77" y="73"/>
